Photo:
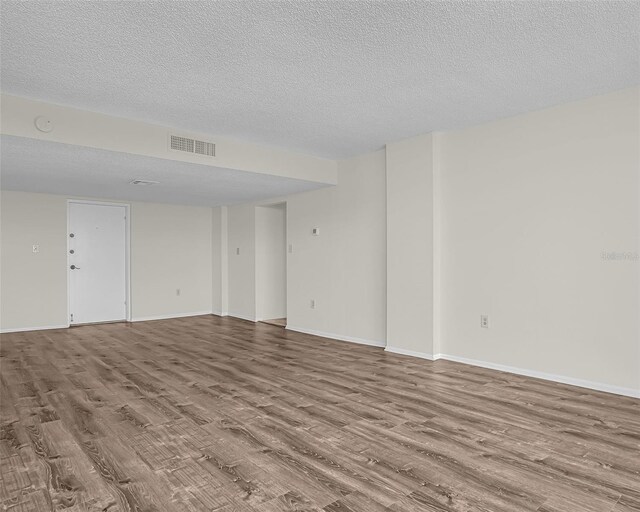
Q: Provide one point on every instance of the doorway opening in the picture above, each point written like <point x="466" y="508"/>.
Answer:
<point x="271" y="264"/>
<point x="97" y="262"/>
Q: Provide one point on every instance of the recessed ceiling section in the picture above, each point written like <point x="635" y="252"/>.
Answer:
<point x="333" y="79"/>
<point x="32" y="165"/>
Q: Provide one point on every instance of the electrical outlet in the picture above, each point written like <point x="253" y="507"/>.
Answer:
<point x="312" y="304"/>
<point x="484" y="321"/>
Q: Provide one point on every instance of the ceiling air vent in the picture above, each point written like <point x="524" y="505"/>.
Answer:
<point x="143" y="182"/>
<point x="198" y="147"/>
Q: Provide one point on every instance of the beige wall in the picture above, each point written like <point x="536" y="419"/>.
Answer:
<point x="170" y="249"/>
<point x="271" y="262"/>
<point x="344" y="268"/>
<point x="529" y="204"/>
<point x="219" y="262"/>
<point x="241" y="227"/>
<point x="33" y="286"/>
<point x="410" y="247"/>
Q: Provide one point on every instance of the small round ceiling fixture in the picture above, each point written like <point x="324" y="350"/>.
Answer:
<point x="44" y="124"/>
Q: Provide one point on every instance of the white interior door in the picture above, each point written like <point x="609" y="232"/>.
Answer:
<point x="97" y="263"/>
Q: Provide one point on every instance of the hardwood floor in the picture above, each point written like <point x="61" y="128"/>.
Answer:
<point x="210" y="413"/>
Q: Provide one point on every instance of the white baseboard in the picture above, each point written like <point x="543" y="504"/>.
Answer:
<point x="350" y="339"/>
<point x="241" y="317"/>
<point x="220" y="313"/>
<point x="170" y="316"/>
<point x="269" y="318"/>
<point x="42" y="328"/>
<point x="405" y="352"/>
<point x="597" y="386"/>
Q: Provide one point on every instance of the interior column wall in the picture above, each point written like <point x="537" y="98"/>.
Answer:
<point x="410" y="246"/>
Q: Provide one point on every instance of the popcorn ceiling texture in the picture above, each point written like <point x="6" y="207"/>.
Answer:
<point x="333" y="79"/>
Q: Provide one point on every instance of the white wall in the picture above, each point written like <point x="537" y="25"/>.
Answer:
<point x="271" y="262"/>
<point x="33" y="286"/>
<point x="529" y="204"/>
<point x="219" y="261"/>
<point x="170" y="249"/>
<point x="344" y="268"/>
<point x="241" y="225"/>
<point x="410" y="246"/>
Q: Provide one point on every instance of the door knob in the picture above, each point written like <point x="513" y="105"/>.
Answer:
<point x="73" y="267"/>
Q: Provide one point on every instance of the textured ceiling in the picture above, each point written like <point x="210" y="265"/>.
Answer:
<point x="328" y="78"/>
<point x="32" y="165"/>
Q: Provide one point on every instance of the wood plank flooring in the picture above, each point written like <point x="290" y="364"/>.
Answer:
<point x="217" y="414"/>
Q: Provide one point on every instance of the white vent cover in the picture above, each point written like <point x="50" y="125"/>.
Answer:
<point x="143" y="182"/>
<point x="188" y="145"/>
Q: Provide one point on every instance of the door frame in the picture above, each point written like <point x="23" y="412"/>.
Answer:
<point x="127" y="244"/>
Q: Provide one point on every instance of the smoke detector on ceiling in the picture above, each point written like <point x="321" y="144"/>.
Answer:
<point x="143" y="182"/>
<point x="44" y="124"/>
